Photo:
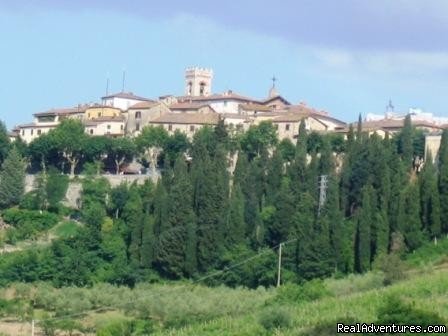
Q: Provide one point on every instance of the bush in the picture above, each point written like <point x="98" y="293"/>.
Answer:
<point x="309" y="291"/>
<point x="27" y="224"/>
<point x="392" y="266"/>
<point x="275" y="318"/>
<point x="126" y="328"/>
<point x="396" y="311"/>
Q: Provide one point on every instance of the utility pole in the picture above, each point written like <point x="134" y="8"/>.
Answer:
<point x="323" y="183"/>
<point x="279" y="264"/>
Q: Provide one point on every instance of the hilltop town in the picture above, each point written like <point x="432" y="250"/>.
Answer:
<point x="126" y="114"/>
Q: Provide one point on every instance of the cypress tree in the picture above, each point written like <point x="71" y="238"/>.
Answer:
<point x="274" y="177"/>
<point x="430" y="201"/>
<point x="210" y="198"/>
<point x="133" y="217"/>
<point x="365" y="217"/>
<point x="148" y="241"/>
<point x="12" y="179"/>
<point x="304" y="218"/>
<point x="283" y="221"/>
<point x="176" y="251"/>
<point x="236" y="226"/>
<point x="4" y="142"/>
<point x="297" y="170"/>
<point x="443" y="180"/>
<point x="410" y="224"/>
<point x="406" y="141"/>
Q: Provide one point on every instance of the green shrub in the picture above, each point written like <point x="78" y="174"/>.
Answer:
<point x="392" y="266"/>
<point x="275" y="318"/>
<point x="309" y="291"/>
<point x="396" y="311"/>
<point x="27" y="224"/>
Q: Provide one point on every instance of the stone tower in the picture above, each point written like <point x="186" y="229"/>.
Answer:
<point x="198" y="81"/>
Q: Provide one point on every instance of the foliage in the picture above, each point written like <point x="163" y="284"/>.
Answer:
<point x="12" y="179"/>
<point x="275" y="318"/>
<point x="26" y="224"/>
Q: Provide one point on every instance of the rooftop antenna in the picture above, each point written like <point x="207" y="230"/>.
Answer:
<point x="124" y="80"/>
<point x="390" y="107"/>
<point x="274" y="79"/>
<point x="107" y="86"/>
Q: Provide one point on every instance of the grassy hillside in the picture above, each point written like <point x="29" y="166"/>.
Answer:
<point x="191" y="309"/>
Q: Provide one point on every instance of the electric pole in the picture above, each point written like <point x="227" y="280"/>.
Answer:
<point x="323" y="183"/>
<point x="279" y="264"/>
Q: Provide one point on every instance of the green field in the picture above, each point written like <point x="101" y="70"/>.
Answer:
<point x="185" y="308"/>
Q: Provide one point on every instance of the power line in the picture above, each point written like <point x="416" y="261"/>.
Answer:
<point x="226" y="269"/>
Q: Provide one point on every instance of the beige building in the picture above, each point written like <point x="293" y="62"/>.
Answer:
<point x="190" y="107"/>
<point x="392" y="126"/>
<point x="46" y="121"/>
<point x="100" y="111"/>
<point x="188" y="123"/>
<point x="108" y="126"/>
<point x="141" y="114"/>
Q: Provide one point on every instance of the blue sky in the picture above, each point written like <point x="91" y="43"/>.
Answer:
<point x="346" y="56"/>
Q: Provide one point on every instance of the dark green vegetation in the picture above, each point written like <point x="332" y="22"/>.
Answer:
<point x="201" y="224"/>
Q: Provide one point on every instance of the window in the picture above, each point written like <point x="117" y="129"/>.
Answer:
<point x="108" y="127"/>
<point x="99" y="114"/>
<point x="122" y="127"/>
<point x="88" y="115"/>
<point x="287" y="127"/>
<point x="190" y="86"/>
<point x="137" y="126"/>
<point x="23" y="132"/>
<point x="39" y="132"/>
<point x="225" y="103"/>
<point x="138" y="115"/>
<point x="170" y="127"/>
<point x="191" y="128"/>
<point x="202" y="89"/>
<point x="276" y="127"/>
<point x="91" y="131"/>
<point x="32" y="131"/>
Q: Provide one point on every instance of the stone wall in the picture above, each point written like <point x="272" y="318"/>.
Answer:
<point x="75" y="186"/>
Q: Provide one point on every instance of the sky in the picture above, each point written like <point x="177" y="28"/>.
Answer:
<point x="347" y="57"/>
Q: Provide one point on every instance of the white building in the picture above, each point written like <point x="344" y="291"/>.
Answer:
<point x="122" y="100"/>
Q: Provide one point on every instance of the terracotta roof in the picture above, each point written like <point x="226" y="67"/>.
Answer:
<point x="30" y="125"/>
<point x="126" y="95"/>
<point x="100" y="120"/>
<point x="63" y="111"/>
<point x="144" y="105"/>
<point x="13" y="134"/>
<point x="187" y="106"/>
<point x="187" y="118"/>
<point x="255" y="107"/>
<point x="394" y="124"/>
<point x="228" y="95"/>
<point x="268" y="100"/>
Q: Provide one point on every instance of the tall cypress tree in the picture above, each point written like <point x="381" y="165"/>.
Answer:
<point x="406" y="141"/>
<point x="274" y="177"/>
<point x="297" y="170"/>
<point x="210" y="198"/>
<point x="430" y="201"/>
<point x="12" y="179"/>
<point x="283" y="221"/>
<point x="443" y="180"/>
<point x="236" y="226"/>
<point x="365" y="217"/>
<point x="176" y="250"/>
<point x="304" y="218"/>
<point x="409" y="219"/>
<point x="133" y="217"/>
